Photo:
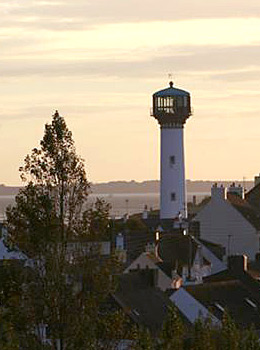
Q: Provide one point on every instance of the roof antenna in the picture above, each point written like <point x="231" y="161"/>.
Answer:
<point x="170" y="79"/>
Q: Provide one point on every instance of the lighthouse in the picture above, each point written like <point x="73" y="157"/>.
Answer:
<point x="171" y="108"/>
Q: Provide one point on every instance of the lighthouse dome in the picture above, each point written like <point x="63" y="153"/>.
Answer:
<point x="171" y="91"/>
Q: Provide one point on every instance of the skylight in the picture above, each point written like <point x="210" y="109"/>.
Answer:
<point x="251" y="303"/>
<point x="219" y="307"/>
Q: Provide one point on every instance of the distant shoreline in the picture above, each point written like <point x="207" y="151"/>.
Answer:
<point x="151" y="186"/>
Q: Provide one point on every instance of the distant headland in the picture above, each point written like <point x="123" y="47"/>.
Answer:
<point x="150" y="186"/>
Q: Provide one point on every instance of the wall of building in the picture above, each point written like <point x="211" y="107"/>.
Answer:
<point x="144" y="262"/>
<point x="221" y="223"/>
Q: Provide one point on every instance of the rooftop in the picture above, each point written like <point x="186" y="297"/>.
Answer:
<point x="249" y="212"/>
<point x="144" y="303"/>
<point x="230" y="294"/>
<point x="170" y="91"/>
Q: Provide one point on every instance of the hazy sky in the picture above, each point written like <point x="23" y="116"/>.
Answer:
<point x="99" y="61"/>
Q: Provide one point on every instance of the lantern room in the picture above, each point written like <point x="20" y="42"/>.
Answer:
<point x="171" y="105"/>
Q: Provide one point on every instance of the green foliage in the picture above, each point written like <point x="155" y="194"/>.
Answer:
<point x="230" y="335"/>
<point x="249" y="340"/>
<point x="172" y="334"/>
<point x="142" y="339"/>
<point x="96" y="223"/>
<point x="49" y="208"/>
<point x="65" y="281"/>
<point x="204" y="335"/>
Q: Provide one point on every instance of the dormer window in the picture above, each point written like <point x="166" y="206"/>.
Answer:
<point x="251" y="303"/>
<point x="219" y="307"/>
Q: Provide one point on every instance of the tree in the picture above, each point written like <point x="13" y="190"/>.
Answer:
<point x="250" y="340"/>
<point x="142" y="339"/>
<point x="204" y="335"/>
<point x="172" y="334"/>
<point x="48" y="208"/>
<point x="64" y="281"/>
<point x="230" y="336"/>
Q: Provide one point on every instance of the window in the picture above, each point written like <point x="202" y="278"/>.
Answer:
<point x="172" y="160"/>
<point x="219" y="307"/>
<point x="251" y="303"/>
<point x="173" y="196"/>
<point x="180" y="102"/>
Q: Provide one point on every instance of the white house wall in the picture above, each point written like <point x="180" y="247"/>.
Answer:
<point x="144" y="262"/>
<point x="219" y="220"/>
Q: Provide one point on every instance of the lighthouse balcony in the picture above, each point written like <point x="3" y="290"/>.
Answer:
<point x="178" y="112"/>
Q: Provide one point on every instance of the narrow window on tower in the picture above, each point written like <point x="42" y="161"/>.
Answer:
<point x="173" y="196"/>
<point x="172" y="161"/>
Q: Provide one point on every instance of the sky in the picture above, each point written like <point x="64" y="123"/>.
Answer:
<point x="99" y="62"/>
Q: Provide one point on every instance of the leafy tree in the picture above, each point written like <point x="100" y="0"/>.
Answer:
<point x="142" y="339"/>
<point x="96" y="220"/>
<point x="229" y="334"/>
<point x="64" y="281"/>
<point x="250" y="340"/>
<point x="204" y="335"/>
<point x="172" y="334"/>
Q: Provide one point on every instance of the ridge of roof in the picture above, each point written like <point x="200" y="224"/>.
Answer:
<point x="253" y="189"/>
<point x="250" y="213"/>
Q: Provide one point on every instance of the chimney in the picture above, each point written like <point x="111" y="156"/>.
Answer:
<point x="257" y="179"/>
<point x="237" y="190"/>
<point x="218" y="193"/>
<point x="237" y="263"/>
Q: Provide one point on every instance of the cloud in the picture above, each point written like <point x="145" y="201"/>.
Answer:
<point x="80" y="14"/>
<point x="222" y="63"/>
<point x="240" y="76"/>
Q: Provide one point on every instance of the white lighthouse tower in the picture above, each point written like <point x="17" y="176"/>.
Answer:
<point x="171" y="108"/>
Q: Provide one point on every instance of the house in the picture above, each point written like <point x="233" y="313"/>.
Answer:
<point x="177" y="259"/>
<point x="165" y="279"/>
<point x="232" y="290"/>
<point x="188" y="257"/>
<point x="230" y="220"/>
<point x="140" y="299"/>
<point x="253" y="196"/>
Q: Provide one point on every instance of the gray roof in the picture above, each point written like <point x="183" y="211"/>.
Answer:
<point x="146" y="304"/>
<point x="176" y="249"/>
<point x="250" y="213"/>
<point x="240" y="297"/>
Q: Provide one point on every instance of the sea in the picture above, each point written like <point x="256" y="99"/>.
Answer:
<point x="121" y="203"/>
